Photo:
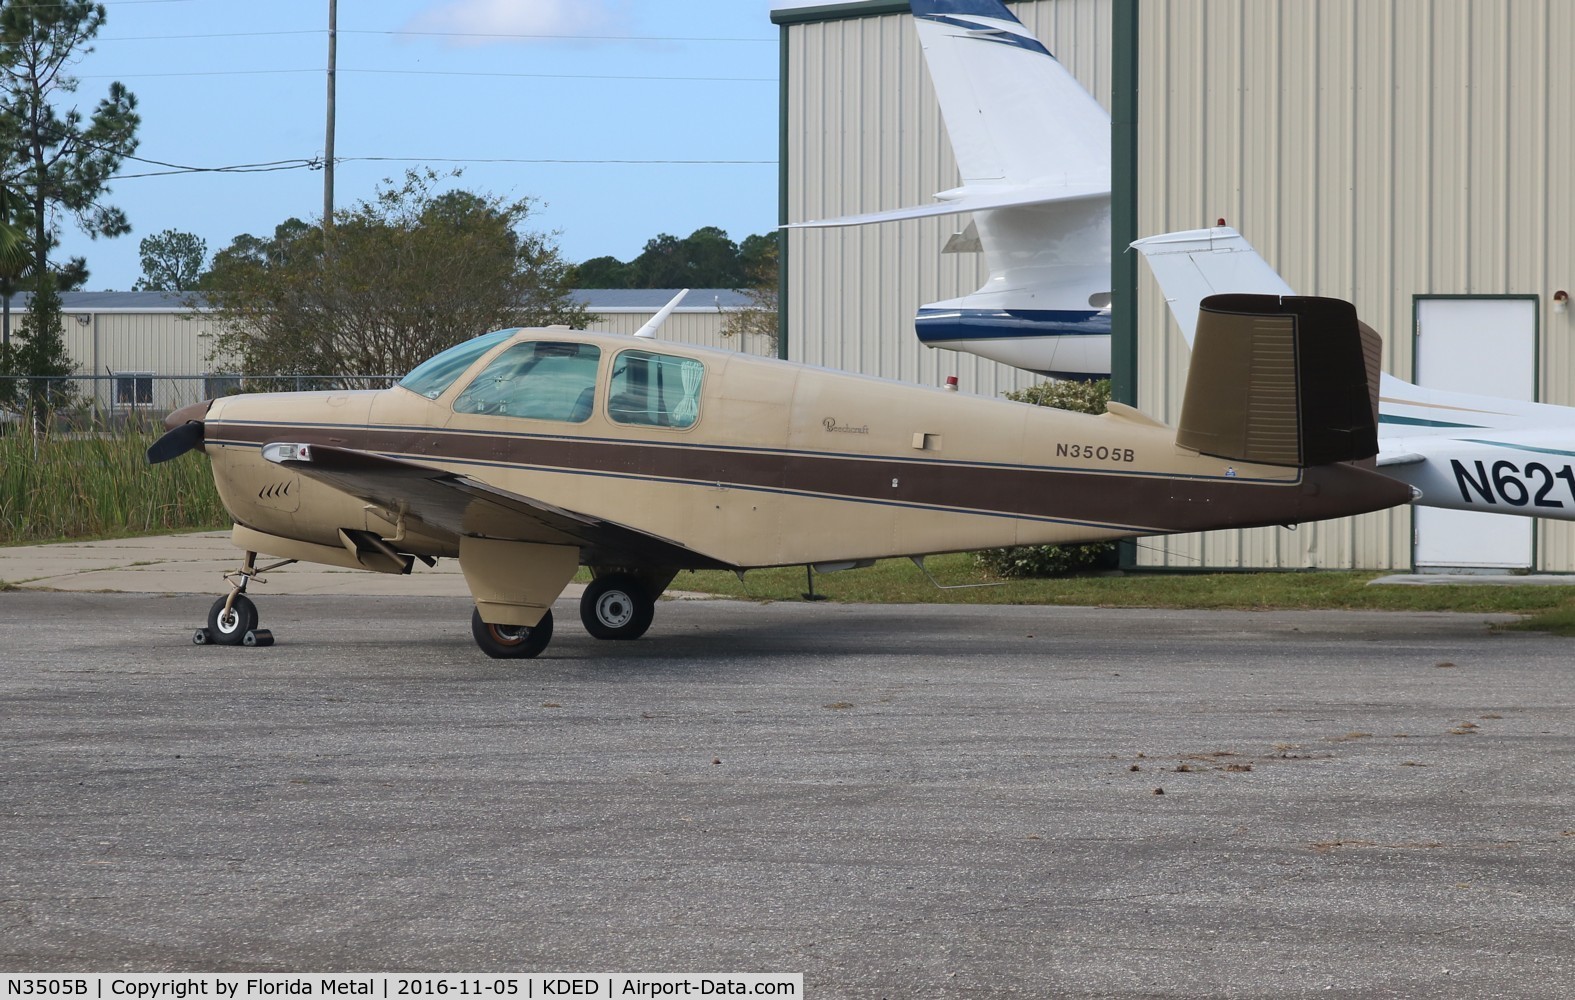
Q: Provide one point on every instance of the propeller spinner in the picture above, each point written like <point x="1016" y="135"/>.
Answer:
<point x="185" y="432"/>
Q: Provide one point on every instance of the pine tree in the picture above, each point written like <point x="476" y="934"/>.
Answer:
<point x="54" y="161"/>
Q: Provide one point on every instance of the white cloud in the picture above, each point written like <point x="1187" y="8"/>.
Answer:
<point x="487" y="21"/>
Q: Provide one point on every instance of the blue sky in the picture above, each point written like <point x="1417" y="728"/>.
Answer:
<point x="444" y="83"/>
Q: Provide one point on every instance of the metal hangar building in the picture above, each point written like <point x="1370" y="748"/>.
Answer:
<point x="1411" y="156"/>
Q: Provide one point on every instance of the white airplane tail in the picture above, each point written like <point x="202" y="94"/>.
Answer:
<point x="1195" y="264"/>
<point x="1013" y="112"/>
<point x="1033" y="149"/>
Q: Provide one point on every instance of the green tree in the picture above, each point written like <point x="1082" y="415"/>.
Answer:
<point x="233" y="265"/>
<point x="56" y="162"/>
<point x="42" y="356"/>
<point x="171" y="261"/>
<point x="59" y="162"/>
<point x="706" y="258"/>
<point x="758" y="255"/>
<point x="602" y="272"/>
<point x="16" y="263"/>
<point x="412" y="272"/>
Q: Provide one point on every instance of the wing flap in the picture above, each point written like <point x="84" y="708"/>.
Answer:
<point x="458" y="505"/>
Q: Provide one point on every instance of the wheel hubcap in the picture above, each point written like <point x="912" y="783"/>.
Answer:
<point x="614" y="609"/>
<point x="512" y="635"/>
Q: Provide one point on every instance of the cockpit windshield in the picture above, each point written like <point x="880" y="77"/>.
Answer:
<point x="539" y="380"/>
<point x="434" y="375"/>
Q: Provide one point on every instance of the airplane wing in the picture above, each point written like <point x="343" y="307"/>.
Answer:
<point x="458" y="505"/>
<point x="978" y="200"/>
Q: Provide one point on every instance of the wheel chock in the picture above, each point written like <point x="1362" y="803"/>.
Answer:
<point x="201" y="637"/>
<point x="257" y="637"/>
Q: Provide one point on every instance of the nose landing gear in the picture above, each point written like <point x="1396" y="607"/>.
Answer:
<point x="232" y="621"/>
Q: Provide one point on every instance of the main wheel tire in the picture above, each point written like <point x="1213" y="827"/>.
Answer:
<point x="230" y="629"/>
<point x="616" y="606"/>
<point x="511" y="642"/>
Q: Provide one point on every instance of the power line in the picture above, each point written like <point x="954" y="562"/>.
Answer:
<point x="476" y="159"/>
<point x="568" y="76"/>
<point x="428" y="34"/>
<point x="214" y="72"/>
<point x="245" y="168"/>
<point x="437" y="72"/>
<point x="596" y="38"/>
<point x="215" y="34"/>
<point x="316" y="163"/>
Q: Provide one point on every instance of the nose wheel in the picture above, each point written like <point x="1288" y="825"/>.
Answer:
<point x="232" y="621"/>
<point x="231" y="618"/>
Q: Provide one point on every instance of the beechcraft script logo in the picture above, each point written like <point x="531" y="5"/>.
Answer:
<point x="833" y="427"/>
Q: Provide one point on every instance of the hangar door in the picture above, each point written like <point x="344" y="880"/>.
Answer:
<point x="1486" y="346"/>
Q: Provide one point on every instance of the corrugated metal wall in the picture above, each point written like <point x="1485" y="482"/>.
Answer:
<point x="166" y="343"/>
<point x="1373" y="151"/>
<point x="103" y="343"/>
<point x="863" y="134"/>
<point x="701" y="327"/>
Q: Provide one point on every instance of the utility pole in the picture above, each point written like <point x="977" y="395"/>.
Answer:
<point x="328" y="142"/>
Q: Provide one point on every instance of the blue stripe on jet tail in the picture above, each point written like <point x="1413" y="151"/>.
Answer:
<point x="979" y="32"/>
<point x="967" y="8"/>
<point x="941" y="325"/>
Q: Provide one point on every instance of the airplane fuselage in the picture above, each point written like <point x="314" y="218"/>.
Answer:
<point x="779" y="463"/>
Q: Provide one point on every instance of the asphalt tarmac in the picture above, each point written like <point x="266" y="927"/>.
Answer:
<point x="894" y="801"/>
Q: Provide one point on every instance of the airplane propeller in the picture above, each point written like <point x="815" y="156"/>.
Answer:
<point x="186" y="431"/>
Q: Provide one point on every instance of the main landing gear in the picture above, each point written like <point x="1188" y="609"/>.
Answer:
<point x="617" y="606"/>
<point x="232" y="621"/>
<point x="511" y="642"/>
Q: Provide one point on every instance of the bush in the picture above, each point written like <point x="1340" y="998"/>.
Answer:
<point x="1023" y="562"/>
<point x="1080" y="397"/>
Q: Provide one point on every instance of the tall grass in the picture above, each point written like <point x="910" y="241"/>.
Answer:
<point x="98" y="484"/>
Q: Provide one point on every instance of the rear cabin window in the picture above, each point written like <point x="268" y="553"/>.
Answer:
<point x="655" y="390"/>
<point x="434" y="375"/>
<point x="539" y="380"/>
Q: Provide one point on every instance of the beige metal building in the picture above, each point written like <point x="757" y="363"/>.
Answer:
<point x="152" y="351"/>
<point x="1409" y="155"/>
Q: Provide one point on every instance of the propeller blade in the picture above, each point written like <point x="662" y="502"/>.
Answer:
<point x="176" y="442"/>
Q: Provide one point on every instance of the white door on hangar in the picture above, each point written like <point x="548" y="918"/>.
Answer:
<point x="1486" y="346"/>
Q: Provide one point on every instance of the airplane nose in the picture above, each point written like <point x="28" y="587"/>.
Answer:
<point x="192" y="414"/>
<point x="184" y="431"/>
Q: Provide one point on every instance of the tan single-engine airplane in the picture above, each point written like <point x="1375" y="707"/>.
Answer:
<point x="528" y="453"/>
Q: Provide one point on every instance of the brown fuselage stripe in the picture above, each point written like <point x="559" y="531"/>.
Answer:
<point x="1146" y="503"/>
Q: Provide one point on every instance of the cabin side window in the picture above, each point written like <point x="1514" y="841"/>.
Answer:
<point x="539" y="380"/>
<point x="655" y="390"/>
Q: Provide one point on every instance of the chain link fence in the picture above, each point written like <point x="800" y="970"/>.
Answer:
<point x="87" y="402"/>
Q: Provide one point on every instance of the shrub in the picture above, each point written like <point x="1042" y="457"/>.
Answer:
<point x="1025" y="562"/>
<point x="1037" y="561"/>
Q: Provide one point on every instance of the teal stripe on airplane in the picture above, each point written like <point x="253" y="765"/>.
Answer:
<point x="1389" y="418"/>
<point x="1562" y="452"/>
